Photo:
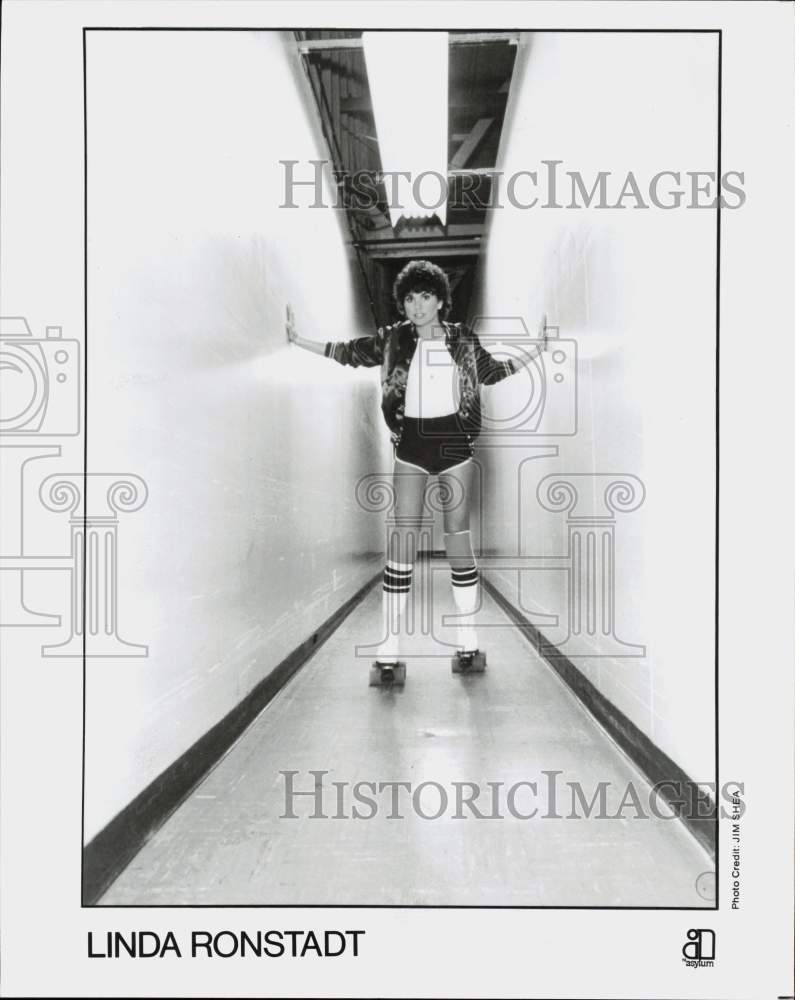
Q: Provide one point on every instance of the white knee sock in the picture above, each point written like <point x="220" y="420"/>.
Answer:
<point x="465" y="580"/>
<point x="466" y="597"/>
<point x="395" y="591"/>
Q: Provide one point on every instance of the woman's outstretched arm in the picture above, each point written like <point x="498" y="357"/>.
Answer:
<point x="527" y="355"/>
<point x="490" y="370"/>
<point x="366" y="352"/>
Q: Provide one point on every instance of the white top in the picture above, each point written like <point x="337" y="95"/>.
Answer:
<point x="432" y="386"/>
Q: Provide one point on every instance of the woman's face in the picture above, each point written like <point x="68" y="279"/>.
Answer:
<point x="422" y="308"/>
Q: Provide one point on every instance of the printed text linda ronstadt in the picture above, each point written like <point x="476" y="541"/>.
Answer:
<point x="223" y="944"/>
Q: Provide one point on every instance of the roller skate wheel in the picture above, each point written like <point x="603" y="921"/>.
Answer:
<point x="468" y="663"/>
<point x="387" y="674"/>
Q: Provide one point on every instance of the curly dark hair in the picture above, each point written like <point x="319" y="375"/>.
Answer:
<point x="422" y="276"/>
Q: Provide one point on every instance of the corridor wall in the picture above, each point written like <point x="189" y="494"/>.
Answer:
<point x="632" y="292"/>
<point x="251" y="450"/>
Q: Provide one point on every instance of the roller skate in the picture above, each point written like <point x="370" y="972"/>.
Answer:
<point x="468" y="661"/>
<point x="385" y="674"/>
<point x="388" y="668"/>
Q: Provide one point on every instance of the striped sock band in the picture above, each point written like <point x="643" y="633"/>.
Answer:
<point x="397" y="578"/>
<point x="466" y="577"/>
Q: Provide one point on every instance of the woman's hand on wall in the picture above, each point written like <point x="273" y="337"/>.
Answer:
<point x="315" y="346"/>
<point x="292" y="333"/>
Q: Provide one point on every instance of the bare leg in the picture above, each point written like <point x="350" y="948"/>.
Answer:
<point x="409" y="488"/>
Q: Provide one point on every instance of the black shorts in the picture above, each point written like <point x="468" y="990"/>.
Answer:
<point x="434" y="444"/>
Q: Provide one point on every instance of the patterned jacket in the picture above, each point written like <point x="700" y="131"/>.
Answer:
<point x="392" y="347"/>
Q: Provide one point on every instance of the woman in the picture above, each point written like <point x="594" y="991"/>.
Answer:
<point x="431" y="374"/>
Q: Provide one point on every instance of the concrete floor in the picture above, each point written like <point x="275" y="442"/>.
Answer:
<point x="228" y="843"/>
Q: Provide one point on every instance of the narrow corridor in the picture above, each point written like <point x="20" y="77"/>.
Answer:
<point x="229" y="843"/>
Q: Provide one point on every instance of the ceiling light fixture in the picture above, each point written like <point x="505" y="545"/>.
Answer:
<point x="407" y="72"/>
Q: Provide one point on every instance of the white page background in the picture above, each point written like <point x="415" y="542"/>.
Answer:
<point x="431" y="952"/>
